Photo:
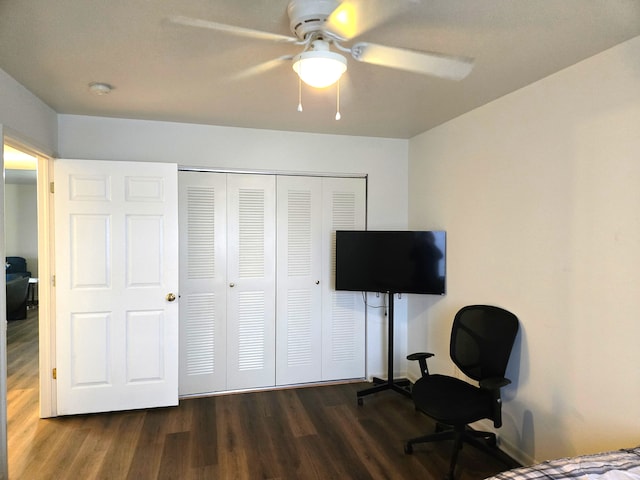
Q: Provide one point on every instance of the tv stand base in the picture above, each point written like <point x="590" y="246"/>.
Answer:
<point x="400" y="385"/>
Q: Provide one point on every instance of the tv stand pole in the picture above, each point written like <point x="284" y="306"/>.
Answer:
<point x="400" y="385"/>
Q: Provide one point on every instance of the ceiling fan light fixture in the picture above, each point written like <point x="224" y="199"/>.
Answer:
<point x="319" y="68"/>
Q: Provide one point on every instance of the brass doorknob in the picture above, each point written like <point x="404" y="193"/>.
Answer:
<point x="170" y="297"/>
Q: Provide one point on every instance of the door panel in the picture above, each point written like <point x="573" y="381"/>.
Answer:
<point x="299" y="293"/>
<point x="251" y="250"/>
<point x="116" y="261"/>
<point x="343" y="315"/>
<point x="89" y="341"/>
<point x="203" y="282"/>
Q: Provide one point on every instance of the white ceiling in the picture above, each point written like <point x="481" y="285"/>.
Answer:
<point x="165" y="71"/>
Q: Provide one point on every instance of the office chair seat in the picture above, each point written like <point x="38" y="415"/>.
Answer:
<point x="451" y="401"/>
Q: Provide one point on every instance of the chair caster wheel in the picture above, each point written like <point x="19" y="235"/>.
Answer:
<point x="408" y="448"/>
<point x="360" y="401"/>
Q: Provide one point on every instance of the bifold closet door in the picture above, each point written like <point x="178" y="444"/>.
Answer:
<point x="299" y="292"/>
<point x="202" y="204"/>
<point x="250" y="244"/>
<point x="251" y="278"/>
<point x="343" y="313"/>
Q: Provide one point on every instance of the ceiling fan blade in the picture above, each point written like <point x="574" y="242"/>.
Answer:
<point x="231" y="29"/>
<point x="352" y="18"/>
<point x="435" y="64"/>
<point x="262" y="67"/>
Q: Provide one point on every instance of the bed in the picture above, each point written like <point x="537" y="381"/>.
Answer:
<point x="615" y="465"/>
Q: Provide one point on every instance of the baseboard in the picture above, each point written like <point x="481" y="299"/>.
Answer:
<point x="504" y="444"/>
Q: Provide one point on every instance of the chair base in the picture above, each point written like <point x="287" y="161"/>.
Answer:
<point x="400" y="385"/>
<point x="484" y="441"/>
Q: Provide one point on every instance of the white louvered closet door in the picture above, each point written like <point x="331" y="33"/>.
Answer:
<point x="203" y="286"/>
<point x="343" y="314"/>
<point x="299" y="293"/>
<point x="251" y="277"/>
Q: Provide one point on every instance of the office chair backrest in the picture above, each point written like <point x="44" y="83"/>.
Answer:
<point x="481" y="340"/>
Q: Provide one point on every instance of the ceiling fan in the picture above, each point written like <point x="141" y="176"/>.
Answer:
<point x="318" y="25"/>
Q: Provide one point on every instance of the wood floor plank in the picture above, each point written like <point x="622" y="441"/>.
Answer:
<point x="150" y="445"/>
<point x="175" y="464"/>
<point x="257" y="439"/>
<point x="231" y="451"/>
<point x="334" y="447"/>
<point x="42" y="449"/>
<point x="368" y="449"/>
<point x="205" y="431"/>
<point x="62" y="467"/>
<point x="319" y="462"/>
<point x="296" y="415"/>
<point x="120" y="452"/>
<point x="283" y="442"/>
<point x="91" y="454"/>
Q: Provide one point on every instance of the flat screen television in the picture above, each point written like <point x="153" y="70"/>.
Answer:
<point x="391" y="261"/>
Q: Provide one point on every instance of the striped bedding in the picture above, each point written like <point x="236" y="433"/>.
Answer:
<point x="616" y="465"/>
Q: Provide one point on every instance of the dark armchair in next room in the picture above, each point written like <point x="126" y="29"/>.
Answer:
<point x="17" y="278"/>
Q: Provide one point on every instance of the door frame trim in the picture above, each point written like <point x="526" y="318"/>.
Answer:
<point x="46" y="294"/>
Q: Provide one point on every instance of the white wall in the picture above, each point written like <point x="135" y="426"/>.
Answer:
<point x="25" y="117"/>
<point x="385" y="161"/>
<point x="539" y="192"/>
<point x="21" y="224"/>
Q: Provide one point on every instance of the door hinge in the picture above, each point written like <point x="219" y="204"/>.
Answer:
<point x="51" y="187"/>
<point x="54" y="373"/>
<point x="53" y="280"/>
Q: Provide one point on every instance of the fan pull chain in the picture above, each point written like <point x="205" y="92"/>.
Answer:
<point x="338" y="116"/>
<point x="299" y="94"/>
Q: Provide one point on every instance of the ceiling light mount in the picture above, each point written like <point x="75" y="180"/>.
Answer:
<point x="307" y="17"/>
<point x="100" y="88"/>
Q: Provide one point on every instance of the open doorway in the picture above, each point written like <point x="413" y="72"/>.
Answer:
<point x="21" y="270"/>
<point x="29" y="352"/>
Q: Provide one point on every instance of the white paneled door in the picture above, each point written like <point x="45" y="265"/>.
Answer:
<point x="116" y="240"/>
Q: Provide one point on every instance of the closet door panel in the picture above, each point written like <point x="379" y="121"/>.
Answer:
<point x="203" y="285"/>
<point x="343" y="323"/>
<point x="299" y="292"/>
<point x="251" y="276"/>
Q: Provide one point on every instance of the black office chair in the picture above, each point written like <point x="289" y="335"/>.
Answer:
<point x="481" y="341"/>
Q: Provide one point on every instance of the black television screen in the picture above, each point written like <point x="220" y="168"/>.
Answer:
<point x="391" y="261"/>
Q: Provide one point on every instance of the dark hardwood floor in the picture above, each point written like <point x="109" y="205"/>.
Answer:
<point x="303" y="433"/>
